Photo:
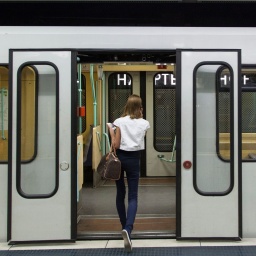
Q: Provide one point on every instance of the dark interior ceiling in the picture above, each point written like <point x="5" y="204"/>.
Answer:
<point x="133" y="56"/>
<point x="128" y="13"/>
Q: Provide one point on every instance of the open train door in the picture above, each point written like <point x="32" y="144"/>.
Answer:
<point x="208" y="149"/>
<point x="42" y="146"/>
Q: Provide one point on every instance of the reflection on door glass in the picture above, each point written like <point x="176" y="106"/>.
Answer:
<point x="36" y="154"/>
<point x="212" y="124"/>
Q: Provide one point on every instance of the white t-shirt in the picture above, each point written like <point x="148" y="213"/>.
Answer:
<point x="133" y="132"/>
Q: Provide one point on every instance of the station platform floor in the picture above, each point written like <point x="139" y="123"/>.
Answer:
<point x="146" y="247"/>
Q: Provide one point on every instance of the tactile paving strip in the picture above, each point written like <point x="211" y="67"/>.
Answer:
<point x="163" y="251"/>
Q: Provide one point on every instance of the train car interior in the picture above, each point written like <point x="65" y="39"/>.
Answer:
<point x="106" y="82"/>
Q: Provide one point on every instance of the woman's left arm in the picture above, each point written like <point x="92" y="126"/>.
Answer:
<point x="115" y="135"/>
<point x="117" y="139"/>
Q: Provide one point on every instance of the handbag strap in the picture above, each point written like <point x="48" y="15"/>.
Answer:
<point x="112" y="149"/>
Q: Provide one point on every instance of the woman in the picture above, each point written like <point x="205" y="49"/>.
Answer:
<point x="128" y="139"/>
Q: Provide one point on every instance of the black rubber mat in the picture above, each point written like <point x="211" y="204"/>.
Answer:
<point x="163" y="251"/>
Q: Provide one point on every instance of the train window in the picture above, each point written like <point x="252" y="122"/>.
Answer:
<point x="119" y="89"/>
<point x="37" y="126"/>
<point x="249" y="113"/>
<point x="4" y="113"/>
<point x="223" y="113"/>
<point x="164" y="111"/>
<point x="213" y="173"/>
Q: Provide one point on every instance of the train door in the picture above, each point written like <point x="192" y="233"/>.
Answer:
<point x="157" y="90"/>
<point x="208" y="150"/>
<point x="42" y="177"/>
<point x="161" y="113"/>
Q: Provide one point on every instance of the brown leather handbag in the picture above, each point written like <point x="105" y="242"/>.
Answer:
<point x="110" y="166"/>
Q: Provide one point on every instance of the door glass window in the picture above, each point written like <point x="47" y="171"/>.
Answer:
<point x="212" y="129"/>
<point x="120" y="88"/>
<point x="28" y="102"/>
<point x="164" y="111"/>
<point x="37" y="126"/>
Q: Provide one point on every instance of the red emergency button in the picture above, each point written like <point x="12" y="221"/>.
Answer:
<point x="187" y="164"/>
<point x="81" y="111"/>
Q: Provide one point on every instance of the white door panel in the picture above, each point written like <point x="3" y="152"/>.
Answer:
<point x="41" y="187"/>
<point x="205" y="212"/>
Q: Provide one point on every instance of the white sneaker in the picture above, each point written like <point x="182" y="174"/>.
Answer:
<point x="127" y="241"/>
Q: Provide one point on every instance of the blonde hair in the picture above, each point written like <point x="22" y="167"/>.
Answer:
<point x="133" y="107"/>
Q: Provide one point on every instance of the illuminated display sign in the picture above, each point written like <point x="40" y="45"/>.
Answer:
<point x="123" y="79"/>
<point x="248" y="78"/>
<point x="120" y="81"/>
<point x="165" y="80"/>
<point x="168" y="80"/>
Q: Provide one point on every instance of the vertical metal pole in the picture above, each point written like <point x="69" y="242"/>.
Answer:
<point x="103" y="146"/>
<point x="94" y="97"/>
<point x="80" y="96"/>
<point x="2" y="112"/>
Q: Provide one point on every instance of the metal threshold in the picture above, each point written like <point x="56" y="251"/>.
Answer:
<point x="135" y="235"/>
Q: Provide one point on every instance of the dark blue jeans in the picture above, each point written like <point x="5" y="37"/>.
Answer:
<point x="130" y="163"/>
